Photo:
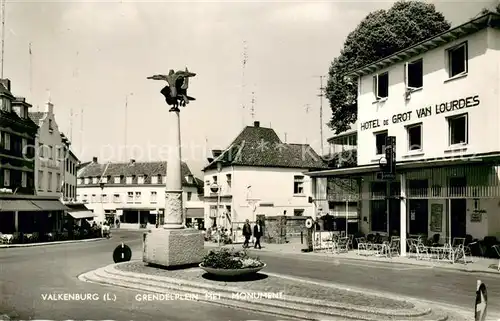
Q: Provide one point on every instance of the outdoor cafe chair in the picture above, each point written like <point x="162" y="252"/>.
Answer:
<point x="350" y="241"/>
<point x="394" y="246"/>
<point x="342" y="245"/>
<point x="363" y="245"/>
<point x="422" y="251"/>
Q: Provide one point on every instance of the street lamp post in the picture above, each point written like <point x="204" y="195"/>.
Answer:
<point x="216" y="188"/>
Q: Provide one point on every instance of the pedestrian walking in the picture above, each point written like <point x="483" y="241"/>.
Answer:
<point x="257" y="233"/>
<point x="247" y="233"/>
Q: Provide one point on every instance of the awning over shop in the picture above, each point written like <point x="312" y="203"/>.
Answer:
<point x="50" y="205"/>
<point x="18" y="205"/>
<point x="195" y="213"/>
<point x="82" y="214"/>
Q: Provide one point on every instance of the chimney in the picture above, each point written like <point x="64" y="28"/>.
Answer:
<point x="132" y="161"/>
<point x="94" y="159"/>
<point x="256" y="124"/>
<point x="49" y="107"/>
<point x="5" y="83"/>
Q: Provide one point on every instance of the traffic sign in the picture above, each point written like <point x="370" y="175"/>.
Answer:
<point x="386" y="176"/>
<point x="481" y="302"/>
<point x="122" y="253"/>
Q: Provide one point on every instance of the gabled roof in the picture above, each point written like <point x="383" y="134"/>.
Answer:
<point x="37" y="116"/>
<point x="146" y="169"/>
<point x="261" y="147"/>
<point x="485" y="21"/>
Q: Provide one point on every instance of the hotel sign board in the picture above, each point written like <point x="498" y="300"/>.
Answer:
<point x="442" y="108"/>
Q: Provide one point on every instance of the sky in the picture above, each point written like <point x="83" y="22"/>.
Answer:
<point x="91" y="59"/>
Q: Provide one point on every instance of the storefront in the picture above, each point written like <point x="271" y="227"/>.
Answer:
<point x="195" y="218"/>
<point x="455" y="198"/>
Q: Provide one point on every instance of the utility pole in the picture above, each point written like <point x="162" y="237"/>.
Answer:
<point x="243" y="81"/>
<point x="321" y="95"/>
<point x="3" y="34"/>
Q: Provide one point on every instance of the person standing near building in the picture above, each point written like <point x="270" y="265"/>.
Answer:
<point x="247" y="233"/>
<point x="257" y="233"/>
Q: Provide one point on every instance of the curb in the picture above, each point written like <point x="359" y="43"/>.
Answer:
<point x="7" y="246"/>
<point x="313" y="254"/>
<point x="301" y="308"/>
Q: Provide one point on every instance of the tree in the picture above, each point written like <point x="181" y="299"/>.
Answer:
<point x="380" y="34"/>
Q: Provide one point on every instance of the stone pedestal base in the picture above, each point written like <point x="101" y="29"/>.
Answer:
<point x="172" y="248"/>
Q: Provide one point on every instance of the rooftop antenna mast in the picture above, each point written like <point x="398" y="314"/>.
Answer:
<point x="71" y="124"/>
<point x="252" y="110"/>
<point x="321" y="95"/>
<point x="31" y="74"/>
<point x="3" y="34"/>
<point x="243" y="81"/>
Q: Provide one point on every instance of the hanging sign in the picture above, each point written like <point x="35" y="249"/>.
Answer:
<point x="441" y="108"/>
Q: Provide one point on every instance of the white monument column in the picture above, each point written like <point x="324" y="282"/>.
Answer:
<point x="403" y="215"/>
<point x="173" y="191"/>
<point x="173" y="246"/>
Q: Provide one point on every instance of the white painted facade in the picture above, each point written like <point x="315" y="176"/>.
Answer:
<point x="250" y="191"/>
<point x="49" y="159"/>
<point x="477" y="91"/>
<point x="113" y="199"/>
<point x="481" y="81"/>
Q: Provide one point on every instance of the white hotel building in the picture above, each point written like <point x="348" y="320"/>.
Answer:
<point x="441" y="100"/>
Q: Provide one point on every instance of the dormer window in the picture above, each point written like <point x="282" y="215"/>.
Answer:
<point x="87" y="180"/>
<point x="154" y="179"/>
<point x="129" y="180"/>
<point x="140" y="180"/>
<point x="5" y="105"/>
<point x="24" y="112"/>
<point x="94" y="180"/>
<point x="117" y="179"/>
<point x="104" y="180"/>
<point x="164" y="180"/>
<point x="79" y="182"/>
<point x="189" y="179"/>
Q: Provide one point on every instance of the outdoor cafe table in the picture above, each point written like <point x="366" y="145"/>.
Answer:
<point x="441" y="253"/>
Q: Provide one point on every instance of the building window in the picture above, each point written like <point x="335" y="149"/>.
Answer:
<point x="381" y="85"/>
<point x="154" y="179"/>
<point x="130" y="197"/>
<point x="129" y="180"/>
<point x="214" y="179"/>
<point x="380" y="139"/>
<point x="6" y="105"/>
<point x="164" y="180"/>
<point x="6" y="177"/>
<point x="298" y="212"/>
<point x="94" y="198"/>
<point x="137" y="197"/>
<point x="6" y="143"/>
<point x="414" y="74"/>
<point x="40" y="180"/>
<point x="189" y="195"/>
<point x="298" y="185"/>
<point x="229" y="179"/>
<point x="117" y="179"/>
<point x="84" y="199"/>
<point x="95" y="180"/>
<point x="87" y="180"/>
<point x="457" y="60"/>
<point x="140" y="180"/>
<point x="49" y="183"/>
<point x="58" y="182"/>
<point x="414" y="137"/>
<point x="51" y="152"/>
<point x="79" y="181"/>
<point x="24" y="179"/>
<point x="153" y="197"/>
<point x="116" y="198"/>
<point x="50" y="125"/>
<point x="458" y="131"/>
<point x="105" y="198"/>
<point x="104" y="180"/>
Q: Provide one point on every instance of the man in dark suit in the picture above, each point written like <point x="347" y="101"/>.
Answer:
<point x="257" y="233"/>
<point x="247" y="232"/>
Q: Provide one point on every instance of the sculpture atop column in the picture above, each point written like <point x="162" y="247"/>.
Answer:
<point x="174" y="245"/>
<point x="175" y="92"/>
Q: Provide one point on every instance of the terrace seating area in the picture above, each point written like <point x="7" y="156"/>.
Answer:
<point x="37" y="237"/>
<point x="419" y="247"/>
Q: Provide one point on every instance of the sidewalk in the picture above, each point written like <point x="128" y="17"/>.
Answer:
<point x="479" y="264"/>
<point x="49" y="243"/>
